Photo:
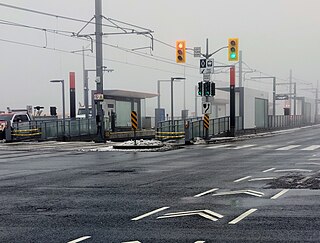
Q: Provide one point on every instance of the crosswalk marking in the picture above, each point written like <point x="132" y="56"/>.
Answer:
<point x="245" y="146"/>
<point x="288" y="147"/>
<point x="219" y="146"/>
<point x="312" y="147"/>
<point x="266" y="147"/>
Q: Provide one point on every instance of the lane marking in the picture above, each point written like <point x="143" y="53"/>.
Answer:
<point x="199" y="211"/>
<point x="288" y="147"/>
<point x="280" y="194"/>
<point x="219" y="146"/>
<point x="188" y="214"/>
<point x="292" y="170"/>
<point x="242" y="216"/>
<point x="208" y="214"/>
<point x="262" y="179"/>
<point x="312" y="147"/>
<point x="150" y="213"/>
<point x="310" y="163"/>
<point x="314" y="159"/>
<point x="200" y="241"/>
<point x="268" y="170"/>
<point x="204" y="193"/>
<point x="248" y="192"/>
<point x="132" y="242"/>
<point x="245" y="146"/>
<point x="242" y="179"/>
<point x="80" y="239"/>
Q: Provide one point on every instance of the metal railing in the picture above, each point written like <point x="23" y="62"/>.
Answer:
<point x="280" y="121"/>
<point x="176" y="129"/>
<point x="73" y="128"/>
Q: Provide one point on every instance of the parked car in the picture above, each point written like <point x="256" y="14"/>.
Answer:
<point x="11" y="118"/>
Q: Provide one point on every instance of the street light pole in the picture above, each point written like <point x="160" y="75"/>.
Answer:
<point x="63" y="106"/>
<point x="172" y="80"/>
<point x="172" y="99"/>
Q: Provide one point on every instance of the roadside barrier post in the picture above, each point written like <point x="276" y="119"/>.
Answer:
<point x="134" y="125"/>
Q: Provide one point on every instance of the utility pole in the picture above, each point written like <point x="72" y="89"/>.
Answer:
<point x="317" y="100"/>
<point x="240" y="69"/>
<point x="85" y="85"/>
<point x="290" y="91"/>
<point x="241" y="90"/>
<point x="295" y="98"/>
<point x="99" y="70"/>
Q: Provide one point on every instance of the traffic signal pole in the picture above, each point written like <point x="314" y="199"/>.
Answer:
<point x="232" y="101"/>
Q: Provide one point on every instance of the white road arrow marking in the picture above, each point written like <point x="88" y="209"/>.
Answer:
<point x="150" y="213"/>
<point x="262" y="179"/>
<point x="280" y="194"/>
<point x="242" y="179"/>
<point x="248" y="192"/>
<point x="242" y="216"/>
<point x="206" y="192"/>
<point x="293" y="170"/>
<point x="208" y="214"/>
<point x="268" y="170"/>
<point x="80" y="239"/>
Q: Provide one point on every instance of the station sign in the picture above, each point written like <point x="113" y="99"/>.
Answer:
<point x="282" y="97"/>
<point x="206" y="66"/>
<point x="98" y="97"/>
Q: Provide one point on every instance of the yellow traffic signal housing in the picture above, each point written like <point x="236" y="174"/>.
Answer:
<point x="181" y="51"/>
<point x="233" y="49"/>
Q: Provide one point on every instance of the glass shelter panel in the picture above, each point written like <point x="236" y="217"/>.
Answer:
<point x="123" y="111"/>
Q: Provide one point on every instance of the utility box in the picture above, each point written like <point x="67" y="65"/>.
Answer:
<point x="146" y="122"/>
<point x="159" y="115"/>
<point x="184" y="114"/>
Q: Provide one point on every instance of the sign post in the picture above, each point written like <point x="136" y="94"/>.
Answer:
<point x="206" y="124"/>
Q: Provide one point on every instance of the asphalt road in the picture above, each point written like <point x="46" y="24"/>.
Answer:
<point x="202" y="193"/>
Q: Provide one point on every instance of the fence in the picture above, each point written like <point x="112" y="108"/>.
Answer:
<point x="176" y="129"/>
<point x="285" y="121"/>
<point x="53" y="129"/>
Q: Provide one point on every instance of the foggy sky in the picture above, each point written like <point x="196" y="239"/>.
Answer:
<point x="275" y="36"/>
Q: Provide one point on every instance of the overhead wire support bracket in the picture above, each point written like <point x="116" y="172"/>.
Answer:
<point x="124" y="31"/>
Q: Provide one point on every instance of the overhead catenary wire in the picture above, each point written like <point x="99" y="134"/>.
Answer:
<point x="66" y="33"/>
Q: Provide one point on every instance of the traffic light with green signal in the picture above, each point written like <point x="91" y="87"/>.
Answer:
<point x="207" y="88"/>
<point x="233" y="49"/>
<point x="200" y="88"/>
